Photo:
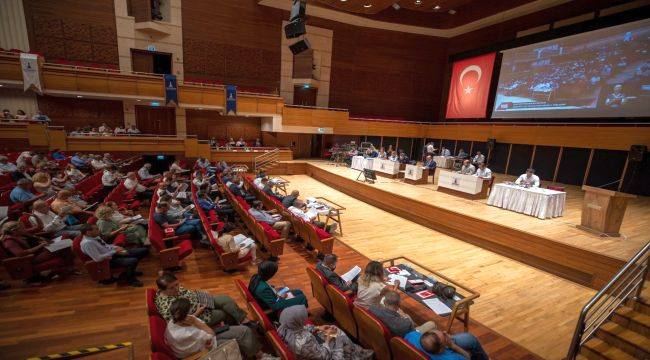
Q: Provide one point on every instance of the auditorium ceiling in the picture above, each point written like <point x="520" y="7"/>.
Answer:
<point x="439" y="14"/>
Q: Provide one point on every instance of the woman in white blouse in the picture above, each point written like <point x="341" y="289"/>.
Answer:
<point x="186" y="334"/>
<point x="372" y="286"/>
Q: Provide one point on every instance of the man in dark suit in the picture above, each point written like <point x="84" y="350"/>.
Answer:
<point x="327" y="267"/>
<point x="430" y="164"/>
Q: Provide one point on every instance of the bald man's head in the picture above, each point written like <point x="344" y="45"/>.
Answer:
<point x="431" y="343"/>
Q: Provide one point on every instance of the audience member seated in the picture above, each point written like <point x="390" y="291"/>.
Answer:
<point x="24" y="159"/>
<point x="267" y="296"/>
<point x="22" y="194"/>
<point x="299" y="209"/>
<point x="441" y="345"/>
<point x="64" y="199"/>
<point x="20" y="115"/>
<point x="62" y="181"/>
<point x="430" y="164"/>
<point x="444" y="151"/>
<point x="275" y="220"/>
<point x="119" y="130"/>
<point x="403" y="159"/>
<point x="327" y="268"/>
<point x="40" y="117"/>
<point x="7" y="115"/>
<point x="221" y="208"/>
<point x="462" y="154"/>
<point x="97" y="163"/>
<point x="257" y="143"/>
<point x="390" y="314"/>
<point x="325" y="342"/>
<point x="21" y="172"/>
<point x="201" y="181"/>
<point x="219" y="309"/>
<point x="529" y="179"/>
<point x="94" y="247"/>
<point x="6" y="166"/>
<point x="73" y="173"/>
<point x="483" y="171"/>
<point x="228" y="244"/>
<point x="371" y="286"/>
<point x="144" y="173"/>
<point x="136" y="235"/>
<point x="17" y="242"/>
<point x="290" y="199"/>
<point x="58" y="155"/>
<point x="268" y="189"/>
<point x="240" y="143"/>
<point x="186" y="334"/>
<point x="110" y="178"/>
<point x="80" y="162"/>
<point x="141" y="192"/>
<point x="42" y="183"/>
<point x="103" y="128"/>
<point x="182" y="226"/>
<point x="132" y="130"/>
<point x="45" y="220"/>
<point x="467" y="168"/>
<point x="393" y="156"/>
<point x="176" y="168"/>
<point x="236" y="186"/>
<point x="203" y="164"/>
<point x="124" y="216"/>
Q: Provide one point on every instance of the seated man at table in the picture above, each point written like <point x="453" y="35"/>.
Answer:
<point x="395" y="319"/>
<point x="483" y="171"/>
<point x="276" y="221"/>
<point x="467" y="168"/>
<point x="430" y="164"/>
<point x="290" y="199"/>
<point x="478" y="158"/>
<point x="529" y="179"/>
<point x="327" y="267"/>
<point x="445" y="152"/>
<point x="403" y="159"/>
<point x="300" y="210"/>
<point x="441" y="345"/>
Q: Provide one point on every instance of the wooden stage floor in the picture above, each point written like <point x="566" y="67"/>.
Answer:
<point x="634" y="229"/>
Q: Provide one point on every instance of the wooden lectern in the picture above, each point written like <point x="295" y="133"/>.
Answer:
<point x="603" y="210"/>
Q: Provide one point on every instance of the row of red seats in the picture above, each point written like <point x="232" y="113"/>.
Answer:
<point x="211" y="222"/>
<point x="268" y="237"/>
<point x="172" y="248"/>
<point x="319" y="239"/>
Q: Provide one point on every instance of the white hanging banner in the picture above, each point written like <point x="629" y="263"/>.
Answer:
<point x="31" y="73"/>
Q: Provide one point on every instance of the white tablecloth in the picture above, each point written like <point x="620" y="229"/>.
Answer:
<point x="538" y="202"/>
<point x="360" y="163"/>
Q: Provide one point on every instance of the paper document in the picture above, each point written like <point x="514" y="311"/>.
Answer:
<point x="398" y="280"/>
<point x="135" y="218"/>
<point x="310" y="199"/>
<point x="437" y="306"/>
<point x="58" y="244"/>
<point x="182" y="187"/>
<point x="242" y="240"/>
<point x="348" y="276"/>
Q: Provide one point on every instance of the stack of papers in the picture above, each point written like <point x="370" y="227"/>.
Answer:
<point x="398" y="280"/>
<point x="348" y="276"/>
<point x="437" y="306"/>
<point x="243" y="241"/>
<point x="58" y="244"/>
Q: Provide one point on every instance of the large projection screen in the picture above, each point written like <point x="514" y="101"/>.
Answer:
<point x="601" y="73"/>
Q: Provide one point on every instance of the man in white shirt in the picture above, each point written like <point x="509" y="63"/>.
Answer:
<point x="119" y="130"/>
<point x="430" y="149"/>
<point x="132" y="130"/>
<point x="445" y="152"/>
<point x="299" y="210"/>
<point x="103" y="128"/>
<point x="144" y="174"/>
<point x="6" y="166"/>
<point x="478" y="158"/>
<point x="97" y="163"/>
<point x="47" y="221"/>
<point x="467" y="168"/>
<point x="110" y="177"/>
<point x="483" y="171"/>
<point x="23" y="158"/>
<point x="94" y="247"/>
<point x="529" y="179"/>
<point x="141" y="191"/>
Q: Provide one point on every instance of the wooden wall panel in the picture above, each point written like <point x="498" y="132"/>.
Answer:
<point x="74" y="30"/>
<point x="299" y="143"/>
<point x="232" y="42"/>
<point x="156" y="120"/>
<point x="72" y="113"/>
<point x="208" y="124"/>
<point x="385" y="73"/>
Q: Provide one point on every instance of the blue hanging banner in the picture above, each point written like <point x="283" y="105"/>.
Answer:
<point x="231" y="99"/>
<point x="171" y="89"/>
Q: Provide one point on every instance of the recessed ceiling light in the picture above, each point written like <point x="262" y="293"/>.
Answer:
<point x="452" y="12"/>
<point x="437" y="7"/>
<point x="344" y="0"/>
<point x="418" y="2"/>
<point x="138" y="100"/>
<point x="79" y="96"/>
<point x="367" y="5"/>
<point x="1" y="85"/>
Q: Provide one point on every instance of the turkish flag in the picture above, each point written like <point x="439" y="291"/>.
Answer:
<point x="470" y="87"/>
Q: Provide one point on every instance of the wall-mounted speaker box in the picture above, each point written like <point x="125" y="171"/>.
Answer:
<point x="299" y="47"/>
<point x="294" y="29"/>
<point x="298" y="10"/>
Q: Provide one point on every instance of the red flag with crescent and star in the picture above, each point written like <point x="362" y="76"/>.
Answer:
<point x="470" y="87"/>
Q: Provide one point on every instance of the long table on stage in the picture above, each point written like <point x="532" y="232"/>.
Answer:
<point x="539" y="202"/>
<point x="386" y="168"/>
<point x="415" y="174"/>
<point x="468" y="186"/>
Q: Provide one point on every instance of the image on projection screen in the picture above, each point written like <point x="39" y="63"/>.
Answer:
<point x="601" y="73"/>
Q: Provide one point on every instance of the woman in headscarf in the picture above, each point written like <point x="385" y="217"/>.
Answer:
<point x="326" y="342"/>
<point x="267" y="296"/>
<point x="135" y="234"/>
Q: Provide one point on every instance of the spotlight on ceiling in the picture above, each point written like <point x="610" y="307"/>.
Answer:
<point x="367" y="5"/>
<point x="437" y="7"/>
<point x="452" y="12"/>
<point x="396" y="6"/>
<point x="418" y="2"/>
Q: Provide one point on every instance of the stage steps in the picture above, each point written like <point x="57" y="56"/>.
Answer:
<point x="625" y="336"/>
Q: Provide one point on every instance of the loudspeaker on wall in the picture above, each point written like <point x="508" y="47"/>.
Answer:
<point x="300" y="46"/>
